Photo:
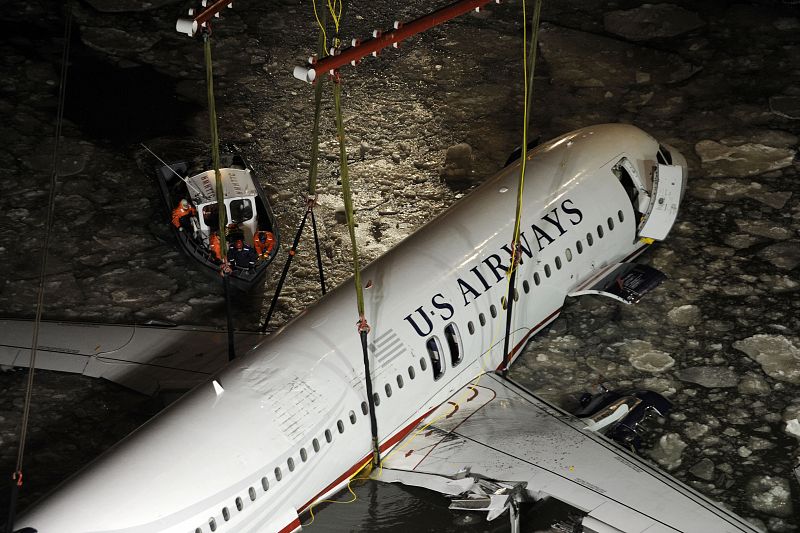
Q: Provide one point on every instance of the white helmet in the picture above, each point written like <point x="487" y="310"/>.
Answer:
<point x="185" y="203"/>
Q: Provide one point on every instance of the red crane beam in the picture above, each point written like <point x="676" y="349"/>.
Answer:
<point x="381" y="40"/>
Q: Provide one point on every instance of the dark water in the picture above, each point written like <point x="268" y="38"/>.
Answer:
<point x="391" y="508"/>
<point x="122" y="105"/>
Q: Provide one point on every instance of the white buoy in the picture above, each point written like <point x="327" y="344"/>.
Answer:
<point x="187" y="26"/>
<point x="307" y="75"/>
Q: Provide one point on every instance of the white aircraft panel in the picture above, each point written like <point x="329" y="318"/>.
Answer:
<point x="667" y="184"/>
<point x="507" y="434"/>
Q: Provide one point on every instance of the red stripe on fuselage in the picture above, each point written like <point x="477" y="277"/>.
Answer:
<point x="397" y="437"/>
<point x="294" y="525"/>
<point x="531" y="331"/>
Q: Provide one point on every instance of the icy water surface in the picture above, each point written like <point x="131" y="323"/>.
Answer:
<point x="718" y="81"/>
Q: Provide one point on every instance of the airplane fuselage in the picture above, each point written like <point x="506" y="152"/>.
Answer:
<point x="288" y="423"/>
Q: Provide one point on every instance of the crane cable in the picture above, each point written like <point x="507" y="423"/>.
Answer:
<point x="311" y="198"/>
<point x="225" y="271"/>
<point x="337" y="8"/>
<point x="368" y="465"/>
<point x="516" y="255"/>
<point x="362" y="325"/>
<point x="16" y="476"/>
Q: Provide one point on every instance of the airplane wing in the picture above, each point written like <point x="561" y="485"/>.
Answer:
<point x="495" y="441"/>
<point x="145" y="358"/>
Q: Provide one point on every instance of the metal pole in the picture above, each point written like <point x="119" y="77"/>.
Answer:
<point x="353" y="55"/>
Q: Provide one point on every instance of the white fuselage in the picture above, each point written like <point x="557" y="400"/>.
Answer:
<point x="290" y="426"/>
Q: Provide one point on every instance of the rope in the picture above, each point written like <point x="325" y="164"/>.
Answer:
<point x="319" y="254"/>
<point x="348" y="197"/>
<point x="221" y="210"/>
<point x="16" y="476"/>
<point x="285" y="271"/>
<point x="212" y="115"/>
<point x="312" y="189"/>
<point x="528" y="91"/>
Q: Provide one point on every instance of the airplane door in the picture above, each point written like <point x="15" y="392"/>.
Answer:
<point x="663" y="209"/>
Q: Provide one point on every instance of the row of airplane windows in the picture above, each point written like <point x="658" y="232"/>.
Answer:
<point x="537" y="278"/>
<point x="315" y="444"/>
<point x="451" y="330"/>
<point x="435" y="354"/>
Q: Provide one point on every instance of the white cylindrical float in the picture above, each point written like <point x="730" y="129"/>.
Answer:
<point x="187" y="26"/>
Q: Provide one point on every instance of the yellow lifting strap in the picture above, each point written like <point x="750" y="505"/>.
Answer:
<point x="212" y="115"/>
<point x="348" y="197"/>
<point x="528" y="97"/>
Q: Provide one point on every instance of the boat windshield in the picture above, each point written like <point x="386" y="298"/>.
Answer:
<point x="211" y="216"/>
<point x="241" y="210"/>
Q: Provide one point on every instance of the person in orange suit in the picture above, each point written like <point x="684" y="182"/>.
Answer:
<point x="181" y="215"/>
<point x="263" y="242"/>
<point x="214" y="246"/>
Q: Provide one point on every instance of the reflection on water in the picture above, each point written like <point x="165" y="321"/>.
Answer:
<point x="389" y="507"/>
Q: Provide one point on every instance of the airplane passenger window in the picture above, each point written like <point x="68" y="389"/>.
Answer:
<point x="328" y="436"/>
<point x="516" y="295"/>
<point x="340" y="426"/>
<point x="399" y="381"/>
<point x="471" y="327"/>
<point x="503" y="302"/>
<point x="558" y="262"/>
<point x="620" y="216"/>
<point x="526" y="287"/>
<point x="600" y="231"/>
<point x="198" y="530"/>
<point x="265" y="483"/>
<point x="315" y="445"/>
<point x="411" y="374"/>
<point x="579" y="246"/>
<point x="568" y="254"/>
<point x="290" y="462"/>
<point x="211" y="522"/>
<point x="435" y="354"/>
<point x="226" y="514"/>
<point x="303" y="455"/>
<point x="610" y="223"/>
<point x="388" y="389"/>
<point x="278" y="473"/>
<point x="252" y="493"/>
<point x="239" y="504"/>
<point x="453" y="344"/>
<point x="589" y="239"/>
<point x="547" y="270"/>
<point x="493" y="311"/>
<point x="376" y="399"/>
<point x="422" y="364"/>
<point x="352" y="416"/>
<point x="482" y="319"/>
<point x="537" y="279"/>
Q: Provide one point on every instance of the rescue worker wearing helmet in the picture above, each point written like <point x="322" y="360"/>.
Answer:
<point x="182" y="215"/>
<point x="241" y="255"/>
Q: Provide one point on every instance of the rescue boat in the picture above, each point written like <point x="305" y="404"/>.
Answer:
<point x="247" y="213"/>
